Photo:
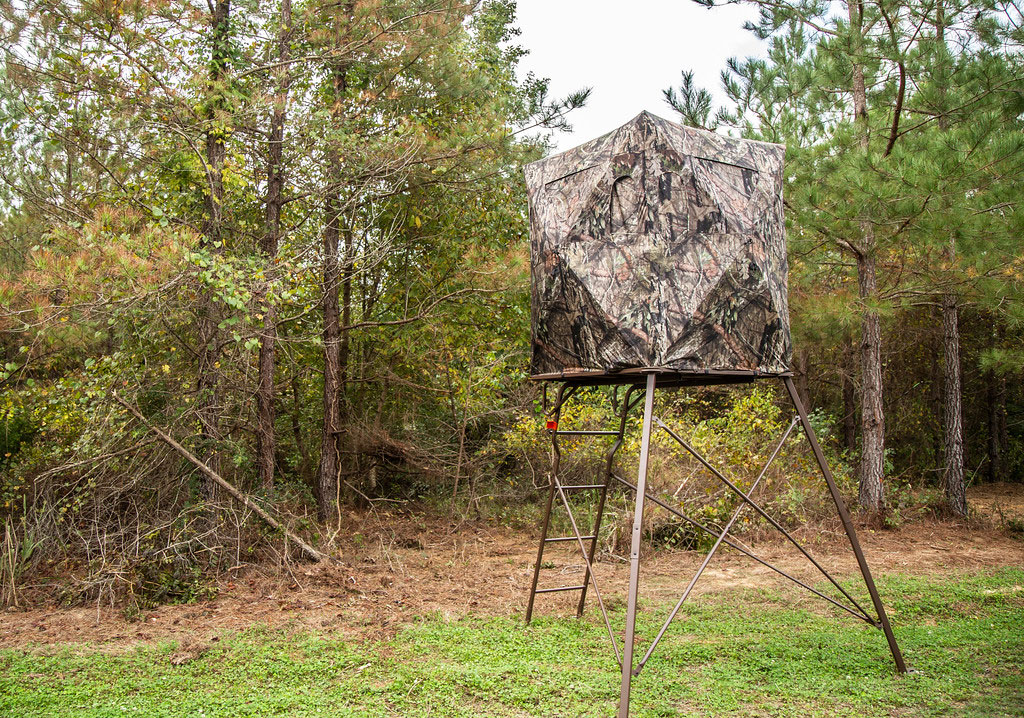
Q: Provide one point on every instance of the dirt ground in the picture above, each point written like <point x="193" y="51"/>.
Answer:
<point x="410" y="566"/>
<point x="998" y="502"/>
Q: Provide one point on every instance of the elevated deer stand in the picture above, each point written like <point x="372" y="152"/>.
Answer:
<point x="658" y="261"/>
<point x="643" y="390"/>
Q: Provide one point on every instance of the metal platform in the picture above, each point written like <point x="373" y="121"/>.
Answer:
<point x="667" y="378"/>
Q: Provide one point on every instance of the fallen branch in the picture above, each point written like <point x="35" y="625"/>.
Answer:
<point x="238" y="495"/>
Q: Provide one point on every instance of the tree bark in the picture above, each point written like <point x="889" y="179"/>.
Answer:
<point x="872" y="431"/>
<point x="849" y="388"/>
<point x="208" y="383"/>
<point x="330" y="460"/>
<point x="953" y="433"/>
<point x="265" y="436"/>
<point x="952" y="423"/>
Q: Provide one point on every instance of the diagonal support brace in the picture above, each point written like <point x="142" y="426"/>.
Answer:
<point x="590" y="569"/>
<point x="714" y="549"/>
<point x="735" y="489"/>
<point x="746" y="552"/>
<point x="851" y="533"/>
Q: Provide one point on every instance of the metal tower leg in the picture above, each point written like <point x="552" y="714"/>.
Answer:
<point x="844" y="515"/>
<point x="634" y="550"/>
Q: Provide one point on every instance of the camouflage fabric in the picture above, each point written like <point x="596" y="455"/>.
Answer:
<point x="659" y="245"/>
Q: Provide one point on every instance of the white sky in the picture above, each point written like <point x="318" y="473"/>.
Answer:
<point x="628" y="51"/>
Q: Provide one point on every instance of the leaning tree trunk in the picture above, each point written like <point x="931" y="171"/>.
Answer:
<point x="953" y="433"/>
<point x="265" y="436"/>
<point x="208" y="384"/>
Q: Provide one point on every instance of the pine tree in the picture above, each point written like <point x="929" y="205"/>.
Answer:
<point x="881" y="168"/>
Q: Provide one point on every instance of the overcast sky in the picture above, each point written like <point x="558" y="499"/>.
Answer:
<point x="628" y="52"/>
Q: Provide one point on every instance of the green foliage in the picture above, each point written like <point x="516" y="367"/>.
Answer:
<point x="892" y="209"/>
<point x="166" y="580"/>
<point x="134" y="260"/>
<point x="736" y="430"/>
<point x="17" y="549"/>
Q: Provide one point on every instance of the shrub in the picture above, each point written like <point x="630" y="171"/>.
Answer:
<point x="735" y="429"/>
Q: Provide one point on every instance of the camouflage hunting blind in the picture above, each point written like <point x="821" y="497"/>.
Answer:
<point x="659" y="246"/>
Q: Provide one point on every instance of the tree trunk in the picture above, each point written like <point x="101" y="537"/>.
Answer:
<point x="872" y="460"/>
<point x="849" y="388"/>
<point x="208" y="384"/>
<point x="952" y="423"/>
<point x="872" y="430"/>
<point x="996" y="400"/>
<point x="330" y="461"/>
<point x="265" y="437"/>
<point x="953" y="433"/>
<point x="330" y="457"/>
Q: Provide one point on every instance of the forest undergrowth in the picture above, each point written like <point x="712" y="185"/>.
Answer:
<point x="86" y="535"/>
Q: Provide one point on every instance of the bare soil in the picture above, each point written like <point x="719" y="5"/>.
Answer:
<point x="404" y="566"/>
<point x="1000" y="502"/>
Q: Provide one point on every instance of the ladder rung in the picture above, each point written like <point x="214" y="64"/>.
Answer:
<point x="582" y="486"/>
<point x="581" y="432"/>
<point x="567" y="538"/>
<point x="560" y="588"/>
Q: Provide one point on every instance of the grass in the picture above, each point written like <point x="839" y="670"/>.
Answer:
<point x="749" y="653"/>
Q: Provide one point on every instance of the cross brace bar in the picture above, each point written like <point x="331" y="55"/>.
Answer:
<point x="735" y="489"/>
<point x="746" y="552"/>
<point x="711" y="553"/>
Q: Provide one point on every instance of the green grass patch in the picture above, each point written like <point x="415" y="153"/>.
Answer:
<point x="747" y="653"/>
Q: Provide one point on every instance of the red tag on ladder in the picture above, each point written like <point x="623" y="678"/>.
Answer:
<point x="552" y="425"/>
